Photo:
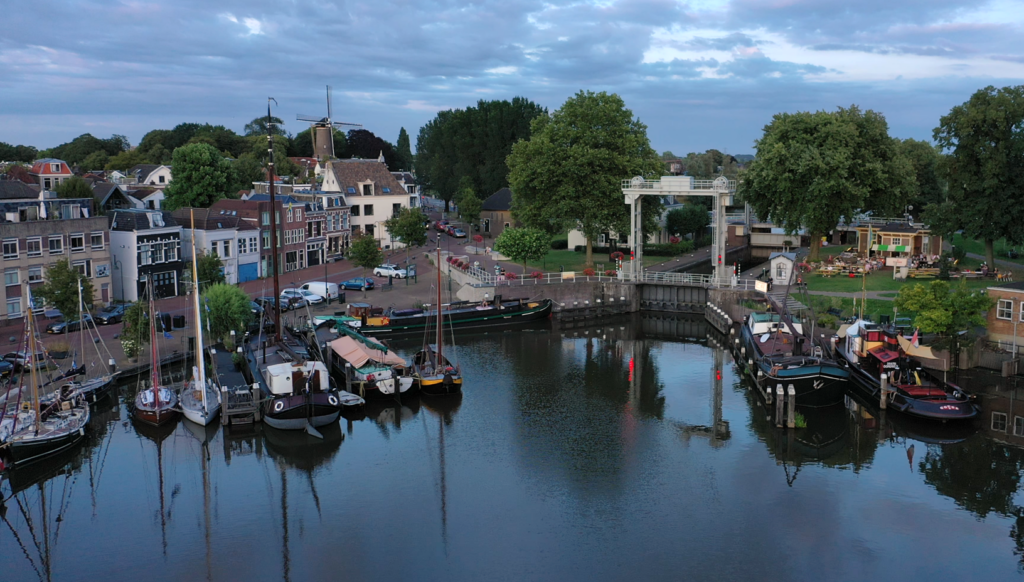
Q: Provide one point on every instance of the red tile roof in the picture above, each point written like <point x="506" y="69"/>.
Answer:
<point x="42" y="167"/>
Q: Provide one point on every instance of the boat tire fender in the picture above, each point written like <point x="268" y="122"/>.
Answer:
<point x="278" y="406"/>
<point x="333" y="400"/>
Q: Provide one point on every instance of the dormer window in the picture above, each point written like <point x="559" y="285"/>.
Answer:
<point x="367" y="189"/>
<point x="156" y="219"/>
<point x="55" y="168"/>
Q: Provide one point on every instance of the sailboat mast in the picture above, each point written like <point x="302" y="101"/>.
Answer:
<point x="273" y="223"/>
<point x="440" y="319"/>
<point x="81" y="319"/>
<point x="201" y="379"/>
<point x="32" y="365"/>
<point x="155" y="366"/>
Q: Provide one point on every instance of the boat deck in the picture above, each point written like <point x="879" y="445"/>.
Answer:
<point x="239" y="402"/>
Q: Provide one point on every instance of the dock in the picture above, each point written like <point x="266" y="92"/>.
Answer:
<point x="239" y="403"/>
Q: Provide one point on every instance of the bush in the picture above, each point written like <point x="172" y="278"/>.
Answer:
<point x="589" y="272"/>
<point x="537" y="275"/>
<point x="559" y="244"/>
<point x="611" y="272"/>
<point x="828" y="320"/>
<point x="511" y="276"/>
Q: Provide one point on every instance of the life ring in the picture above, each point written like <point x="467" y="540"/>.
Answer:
<point x="278" y="406"/>
<point x="385" y="320"/>
<point x="333" y="400"/>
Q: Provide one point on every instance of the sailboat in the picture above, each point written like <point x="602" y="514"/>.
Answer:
<point x="34" y="430"/>
<point x="156" y="405"/>
<point x="432" y="370"/>
<point x="95" y="388"/>
<point x="200" y="401"/>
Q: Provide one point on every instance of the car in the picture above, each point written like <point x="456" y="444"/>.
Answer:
<point x="256" y="308"/>
<point x="449" y="230"/>
<point x="17" y="359"/>
<point x="458" y="233"/>
<point x="266" y="302"/>
<point x="357" y="283"/>
<point x="6" y="368"/>
<point x="310" y="297"/>
<point x="292" y="299"/>
<point x="322" y="288"/>
<point x="111" y="314"/>
<point x="441" y="225"/>
<point x="59" y="326"/>
<point x="389" y="270"/>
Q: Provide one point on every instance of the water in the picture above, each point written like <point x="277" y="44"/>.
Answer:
<point x="557" y="464"/>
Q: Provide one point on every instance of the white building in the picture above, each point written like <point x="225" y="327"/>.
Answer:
<point x="145" y="248"/>
<point x="220" y="232"/>
<point x="372" y="193"/>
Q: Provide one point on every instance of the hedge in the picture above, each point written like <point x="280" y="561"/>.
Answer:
<point x="559" y="244"/>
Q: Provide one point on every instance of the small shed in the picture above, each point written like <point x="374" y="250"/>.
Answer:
<point x="782" y="265"/>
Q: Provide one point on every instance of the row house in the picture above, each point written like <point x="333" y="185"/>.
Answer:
<point x="373" y="195"/>
<point x="223" y="234"/>
<point x="336" y="229"/>
<point x="291" y="230"/>
<point x="145" y="246"/>
<point x="303" y="231"/>
<point x="37" y="233"/>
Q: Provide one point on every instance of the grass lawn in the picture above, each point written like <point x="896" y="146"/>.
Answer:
<point x="875" y="307"/>
<point x="978" y="247"/>
<point x="876" y="281"/>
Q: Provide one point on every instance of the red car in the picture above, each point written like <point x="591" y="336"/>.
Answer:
<point x="441" y="225"/>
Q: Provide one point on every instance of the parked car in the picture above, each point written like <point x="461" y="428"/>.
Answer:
<point x="59" y="326"/>
<point x="292" y="299"/>
<point x="441" y="225"/>
<point x="256" y="308"/>
<point x="310" y="297"/>
<point x="458" y="233"/>
<point x="6" y="368"/>
<point x="18" y="359"/>
<point x="111" y="314"/>
<point x="322" y="288"/>
<point x="266" y="302"/>
<point x="357" y="283"/>
<point x="389" y="270"/>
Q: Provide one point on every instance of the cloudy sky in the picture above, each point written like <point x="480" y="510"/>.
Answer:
<point x="700" y="74"/>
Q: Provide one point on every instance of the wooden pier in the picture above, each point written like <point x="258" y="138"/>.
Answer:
<point x="239" y="403"/>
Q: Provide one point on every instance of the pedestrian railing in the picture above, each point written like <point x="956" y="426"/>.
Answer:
<point x="487" y="279"/>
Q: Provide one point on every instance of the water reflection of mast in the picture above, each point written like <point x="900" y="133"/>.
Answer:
<point x="284" y="520"/>
<point x="160" y="480"/>
<point x="444" y="490"/>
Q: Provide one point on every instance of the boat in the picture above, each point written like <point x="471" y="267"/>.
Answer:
<point x="371" y="369"/>
<point x="31" y="430"/>
<point x="872" y="351"/>
<point x="96" y="387"/>
<point x="200" y="400"/>
<point x="297" y="395"/>
<point x="781" y="354"/>
<point x="434" y="373"/>
<point x="457" y="315"/>
<point x="156" y="405"/>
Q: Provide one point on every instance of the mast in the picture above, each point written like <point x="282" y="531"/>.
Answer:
<point x="440" y="319"/>
<point x="273" y="223"/>
<point x="155" y="367"/>
<point x="81" y="322"/>
<point x="32" y="364"/>
<point x="201" y="377"/>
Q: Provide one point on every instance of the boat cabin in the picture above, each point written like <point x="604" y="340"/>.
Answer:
<point x="293" y="377"/>
<point x="762" y="323"/>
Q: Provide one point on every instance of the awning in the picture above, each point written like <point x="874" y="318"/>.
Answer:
<point x="357" y="354"/>
<point x="883" y="354"/>
<point x="893" y="248"/>
<point x="918" y="352"/>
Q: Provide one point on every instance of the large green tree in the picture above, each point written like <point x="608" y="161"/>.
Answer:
<point x="687" y="219"/>
<point x="228" y="309"/>
<point x="258" y="126"/>
<point x="569" y="173"/>
<point x="926" y="161"/>
<point x="211" y="270"/>
<point x="201" y="177"/>
<point x="60" y="289"/>
<point x="523" y="244"/>
<point x="362" y="143"/>
<point x="409" y="228"/>
<point x="472" y="142"/>
<point x="17" y="153"/>
<point x="984" y="168"/>
<point x="403" y="151"/>
<point x="944" y="309"/>
<point x="74" y="187"/>
<point x="95" y="161"/>
<point x="365" y="253"/>
<point x="125" y="161"/>
<point x="813" y="169"/>
<point x="78" y="149"/>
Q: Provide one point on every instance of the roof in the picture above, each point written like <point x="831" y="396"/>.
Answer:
<point x="103" y="190"/>
<point x="404" y="177"/>
<point x="137" y="220"/>
<point x="900" y="227"/>
<point x="790" y="256"/>
<point x="42" y="167"/>
<point x="283" y="199"/>
<point x="883" y="354"/>
<point x="207" y="218"/>
<point x="1015" y="286"/>
<point x="13" y="189"/>
<point x="500" y="200"/>
<point x="244" y="208"/>
<point x="350" y="173"/>
<point x="141" y="194"/>
<point x="142" y="171"/>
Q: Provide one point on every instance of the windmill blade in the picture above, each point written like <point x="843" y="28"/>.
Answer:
<point x="342" y="123"/>
<point x="328" y="104"/>
<point x="311" y="118"/>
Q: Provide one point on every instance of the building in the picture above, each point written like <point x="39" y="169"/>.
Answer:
<point x="408" y="181"/>
<point x="496" y="213"/>
<point x="36" y="234"/>
<point x="50" y="173"/>
<point x="145" y="198"/>
<point x="151" y="175"/>
<point x="1005" y="321"/>
<point x="221" y="233"/>
<point x="782" y="265"/>
<point x="373" y="195"/>
<point x="145" y="247"/>
<point x="291" y="233"/>
<point x="898" y="239"/>
<point x="109" y="196"/>
<point x="336" y="219"/>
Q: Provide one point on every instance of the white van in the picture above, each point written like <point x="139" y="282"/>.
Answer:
<point x="326" y="290"/>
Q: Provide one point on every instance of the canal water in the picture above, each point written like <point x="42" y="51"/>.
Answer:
<point x="622" y="450"/>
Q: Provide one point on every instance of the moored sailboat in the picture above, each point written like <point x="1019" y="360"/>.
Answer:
<point x="434" y="373"/>
<point x="155" y="405"/>
<point x="200" y="400"/>
<point x="95" y="387"/>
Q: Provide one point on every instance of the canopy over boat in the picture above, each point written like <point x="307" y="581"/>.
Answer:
<point x="357" y="354"/>
<point x="916" y="351"/>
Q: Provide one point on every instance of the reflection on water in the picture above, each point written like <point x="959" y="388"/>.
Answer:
<point x="600" y="450"/>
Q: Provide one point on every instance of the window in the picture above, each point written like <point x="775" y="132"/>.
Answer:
<point x="266" y="240"/>
<point x="213" y="249"/>
<point x="96" y="240"/>
<point x="266" y="218"/>
<point x="10" y="248"/>
<point x="367" y="209"/>
<point x="367" y="189"/>
<point x="35" y="274"/>
<point x="83" y="267"/>
<point x="28" y="213"/>
<point x="287" y="237"/>
<point x="56" y="245"/>
<point x="350" y="190"/>
<point x="78" y="243"/>
<point x="14" y="307"/>
<point x="291" y="261"/>
<point x="1003" y="311"/>
<point x="298" y="214"/>
<point x="46" y="183"/>
<point x="300" y="234"/>
<point x="160" y="179"/>
<point x="386" y="190"/>
<point x="11" y="277"/>
<point x="253" y="248"/>
<point x="999" y="421"/>
<point x="290" y="215"/>
<point x="355" y="210"/>
<point x="227" y="248"/>
<point x="1018" y="426"/>
<point x="780" y="270"/>
<point x="897" y="240"/>
<point x="143" y="256"/>
<point x="70" y="211"/>
<point x="157" y="252"/>
<point x="55" y="168"/>
<point x="171" y="250"/>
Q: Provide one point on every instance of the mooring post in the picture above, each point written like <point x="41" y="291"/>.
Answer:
<point x="780" y="401"/>
<point x="884" y="392"/>
<point x="257" y="414"/>
<point x="791" y="404"/>
<point x="834" y="341"/>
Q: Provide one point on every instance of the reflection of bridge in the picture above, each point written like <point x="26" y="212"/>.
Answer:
<point x="718" y="432"/>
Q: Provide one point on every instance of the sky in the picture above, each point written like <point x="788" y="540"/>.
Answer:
<point x="701" y="74"/>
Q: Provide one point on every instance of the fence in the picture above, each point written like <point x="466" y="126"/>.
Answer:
<point x="486" y="279"/>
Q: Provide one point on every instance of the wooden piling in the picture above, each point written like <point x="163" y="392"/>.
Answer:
<point x="780" y="401"/>
<point x="883" y="394"/>
<point x="791" y="407"/>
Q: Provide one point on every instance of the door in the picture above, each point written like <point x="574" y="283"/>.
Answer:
<point x="105" y="292"/>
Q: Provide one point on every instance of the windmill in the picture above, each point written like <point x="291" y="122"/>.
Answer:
<point x="323" y="131"/>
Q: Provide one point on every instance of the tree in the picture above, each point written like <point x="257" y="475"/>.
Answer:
<point x="403" y="151"/>
<point x="569" y="173"/>
<point x="258" y="126"/>
<point x="125" y="161"/>
<point x="17" y="153"/>
<point x="470" y="207"/>
<point x="96" y="160"/>
<point x="408" y="227"/>
<point x="228" y="309"/>
<point x="812" y="169"/>
<point x="362" y="143"/>
<point x="60" y="289"/>
<point x="984" y="167"/>
<point x="472" y="142"/>
<point x="78" y="149"/>
<point x="247" y="169"/>
<point x="943" y="309"/>
<point x="19" y="172"/>
<point x="365" y="253"/>
<point x="690" y="219"/>
<point x="135" y="331"/>
<point x="211" y="269"/>
<point x="201" y="177"/>
<point x="925" y="159"/>
<point x="523" y="244"/>
<point x="74" y="187"/>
